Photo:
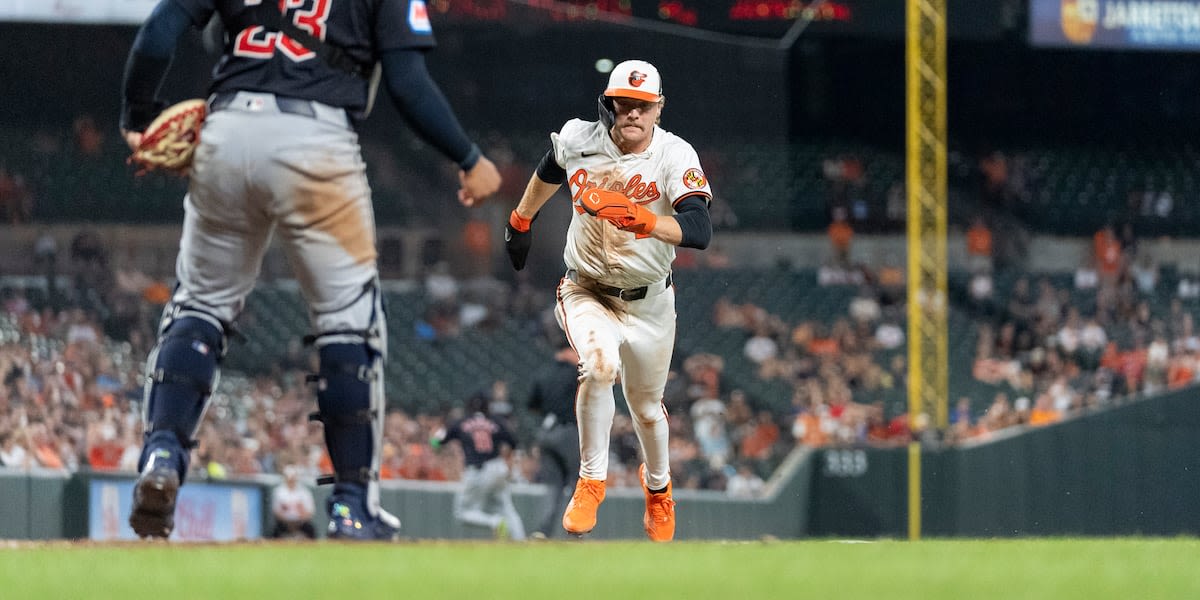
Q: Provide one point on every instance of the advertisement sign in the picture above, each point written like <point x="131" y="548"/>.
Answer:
<point x="204" y="512"/>
<point x="1116" y="24"/>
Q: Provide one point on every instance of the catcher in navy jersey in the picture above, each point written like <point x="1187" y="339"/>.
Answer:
<point x="278" y="152"/>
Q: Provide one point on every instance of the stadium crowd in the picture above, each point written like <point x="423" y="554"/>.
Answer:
<point x="71" y="399"/>
<point x="1044" y="347"/>
<point x="1043" y="351"/>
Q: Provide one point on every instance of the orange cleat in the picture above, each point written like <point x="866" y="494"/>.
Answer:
<point x="659" y="518"/>
<point x="580" y="517"/>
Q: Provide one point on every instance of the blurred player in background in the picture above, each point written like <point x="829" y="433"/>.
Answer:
<point x="279" y="152"/>
<point x="488" y="452"/>
<point x="553" y="397"/>
<point x="638" y="192"/>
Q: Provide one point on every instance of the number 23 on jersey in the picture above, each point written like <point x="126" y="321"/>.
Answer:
<point x="257" y="42"/>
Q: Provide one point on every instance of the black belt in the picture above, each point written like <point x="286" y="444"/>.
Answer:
<point x="292" y="106"/>
<point x="623" y="293"/>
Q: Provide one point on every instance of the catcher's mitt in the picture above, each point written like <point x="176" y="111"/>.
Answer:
<point x="171" y="139"/>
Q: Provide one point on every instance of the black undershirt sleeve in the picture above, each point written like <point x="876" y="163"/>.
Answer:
<point x="549" y="171"/>
<point x="147" y="65"/>
<point x="692" y="215"/>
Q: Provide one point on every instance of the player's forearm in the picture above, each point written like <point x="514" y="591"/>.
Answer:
<point x="537" y="193"/>
<point x="667" y="229"/>
<point x="147" y="64"/>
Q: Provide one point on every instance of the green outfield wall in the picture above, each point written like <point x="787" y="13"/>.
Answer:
<point x="1132" y="469"/>
<point x="55" y="505"/>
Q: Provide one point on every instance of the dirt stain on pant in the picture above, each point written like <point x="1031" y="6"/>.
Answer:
<point x="324" y="206"/>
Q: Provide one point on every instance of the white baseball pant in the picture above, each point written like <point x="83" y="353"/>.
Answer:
<point x="632" y="339"/>
<point x="485" y="485"/>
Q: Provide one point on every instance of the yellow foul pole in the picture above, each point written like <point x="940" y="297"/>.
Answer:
<point x="925" y="65"/>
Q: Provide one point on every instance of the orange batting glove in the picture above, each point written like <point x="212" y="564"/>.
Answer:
<point x="622" y="212"/>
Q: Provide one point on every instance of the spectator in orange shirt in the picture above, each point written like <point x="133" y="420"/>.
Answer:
<point x="761" y="439"/>
<point x="979" y="247"/>
<point x="44" y="449"/>
<point x="157" y="293"/>
<point x="840" y="236"/>
<point x="1043" y="412"/>
<point x="1106" y="248"/>
<point x="807" y="428"/>
<point x="1181" y="372"/>
<point x="419" y="462"/>
<point x="391" y="462"/>
<point x="822" y="343"/>
<point x="104" y="446"/>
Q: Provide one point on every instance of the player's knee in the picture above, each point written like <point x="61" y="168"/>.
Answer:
<point x="648" y="413"/>
<point x="595" y="366"/>
<point x="186" y="359"/>
<point x="191" y="340"/>
<point x="362" y="319"/>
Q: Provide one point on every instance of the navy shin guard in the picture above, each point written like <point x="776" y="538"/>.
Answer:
<point x="344" y="401"/>
<point x="179" y="382"/>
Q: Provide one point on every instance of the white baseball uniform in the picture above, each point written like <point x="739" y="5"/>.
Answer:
<point x="617" y="304"/>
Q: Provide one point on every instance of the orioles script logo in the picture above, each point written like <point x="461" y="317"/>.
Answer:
<point x="634" y="189"/>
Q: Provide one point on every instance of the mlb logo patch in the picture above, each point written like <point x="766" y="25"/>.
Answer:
<point x="200" y="347"/>
<point x="418" y="17"/>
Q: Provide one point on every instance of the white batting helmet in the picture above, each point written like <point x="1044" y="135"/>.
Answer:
<point x="635" y="79"/>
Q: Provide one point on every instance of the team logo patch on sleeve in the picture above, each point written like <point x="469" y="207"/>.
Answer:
<point x="418" y="17"/>
<point x="694" y="179"/>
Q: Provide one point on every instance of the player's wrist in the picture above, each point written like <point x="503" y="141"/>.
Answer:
<point x="651" y="221"/>
<point x="137" y="116"/>
<point x="471" y="159"/>
<point x="519" y="222"/>
<point x="644" y="220"/>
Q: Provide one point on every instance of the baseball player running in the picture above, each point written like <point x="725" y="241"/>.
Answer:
<point x="279" y="152"/>
<point x="638" y="191"/>
<point x="487" y="450"/>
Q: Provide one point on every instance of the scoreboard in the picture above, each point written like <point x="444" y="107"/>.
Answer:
<point x="758" y="18"/>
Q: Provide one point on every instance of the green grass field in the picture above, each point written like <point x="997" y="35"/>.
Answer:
<point x="1122" y="568"/>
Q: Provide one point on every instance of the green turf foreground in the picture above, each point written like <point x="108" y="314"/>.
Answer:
<point x="1089" y="569"/>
